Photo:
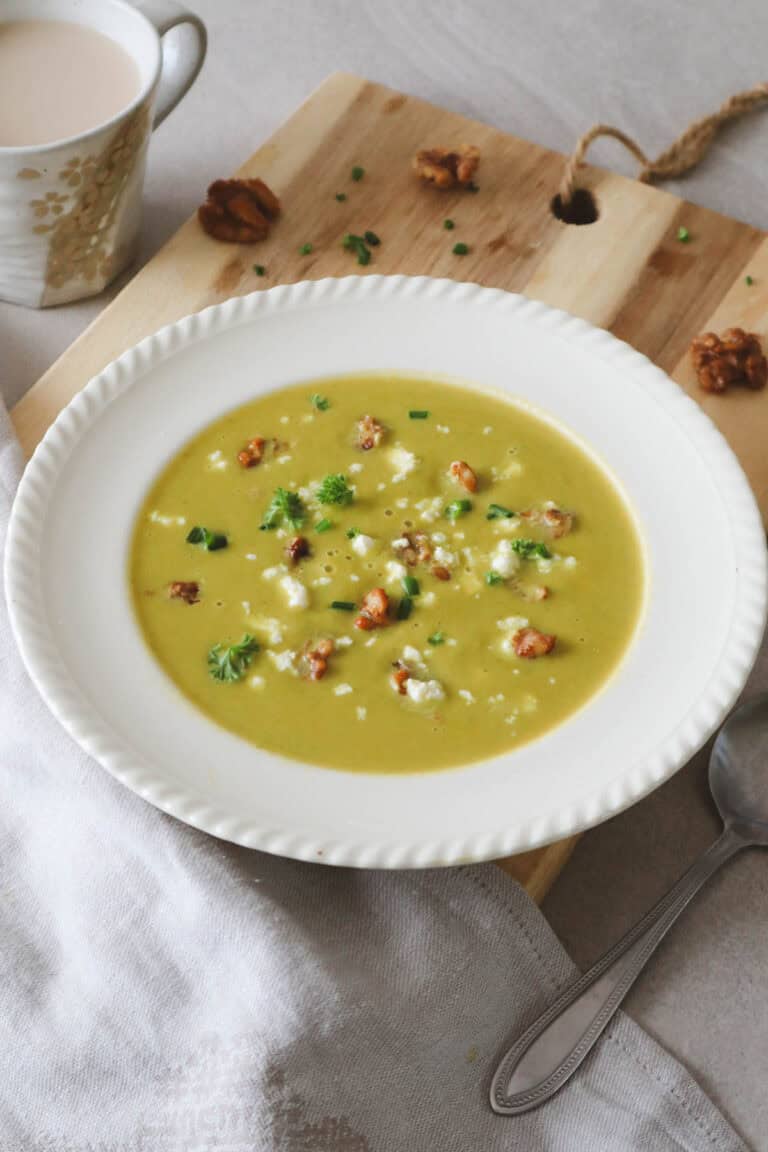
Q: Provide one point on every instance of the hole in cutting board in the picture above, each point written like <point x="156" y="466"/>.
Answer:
<point x="582" y="208"/>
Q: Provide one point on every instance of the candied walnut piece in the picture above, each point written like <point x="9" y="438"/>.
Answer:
<point x="440" y="572"/>
<point x="186" y="590"/>
<point x="733" y="358"/>
<point x="370" y="433"/>
<point x="414" y="549"/>
<point x="239" y="211"/>
<point x="253" y="453"/>
<point x="530" y="643"/>
<point x="461" y="472"/>
<point x="297" y="549"/>
<point x="400" y="676"/>
<point x="446" y="167"/>
<point x="556" y="523"/>
<point x="316" y="659"/>
<point x="534" y="592"/>
<point x="374" y="610"/>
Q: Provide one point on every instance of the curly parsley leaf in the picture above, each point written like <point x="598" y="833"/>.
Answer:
<point x="530" y="549"/>
<point x="230" y="662"/>
<point x="335" y="489"/>
<point x="286" y="508"/>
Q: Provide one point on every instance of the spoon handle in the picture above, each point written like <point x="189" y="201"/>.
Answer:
<point x="554" y="1046"/>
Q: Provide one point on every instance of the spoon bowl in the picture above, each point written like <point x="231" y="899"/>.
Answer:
<point x="738" y="771"/>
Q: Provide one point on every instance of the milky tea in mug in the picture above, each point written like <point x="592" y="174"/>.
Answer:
<point x="82" y="84"/>
<point x="58" y="79"/>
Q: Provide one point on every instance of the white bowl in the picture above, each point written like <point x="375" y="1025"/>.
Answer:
<point x="67" y="551"/>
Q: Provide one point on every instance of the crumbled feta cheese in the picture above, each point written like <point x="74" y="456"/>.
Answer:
<point x="439" y="537"/>
<point x="424" y="690"/>
<point x="507" y="524"/>
<point x="497" y="699"/>
<point x="246" y="606"/>
<point x="342" y="690"/>
<point x="309" y="492"/>
<point x="273" y="573"/>
<point x="487" y="430"/>
<point x="394" y="570"/>
<point x="344" y="642"/>
<point x="544" y="565"/>
<point x="362" y="544"/>
<point x="298" y="596"/>
<point x="402" y="461"/>
<point x="513" y="469"/>
<point x="552" y="680"/>
<point x="380" y="487"/>
<point x="411" y="655"/>
<point x="355" y="467"/>
<point x="284" y="459"/>
<point x="465" y="695"/>
<point x="370" y="643"/>
<point x="530" y="703"/>
<point x="452" y="641"/>
<point x="284" y="419"/>
<point x="308" y="417"/>
<point x="512" y="623"/>
<point x="354" y="578"/>
<point x="458" y="535"/>
<point x="361" y="713"/>
<point x="283" y="661"/>
<point x="256" y="681"/>
<point x="321" y="581"/>
<point x="570" y="562"/>
<point x="442" y="428"/>
<point x="251" y="556"/>
<point x="510" y="719"/>
<point x="430" y="510"/>
<point x="400" y="543"/>
<point x="443" y="556"/>
<point x="402" y="502"/>
<point x="268" y="626"/>
<point x="157" y="518"/>
<point x="428" y="599"/>
<point x="216" y="461"/>
<point x="504" y="561"/>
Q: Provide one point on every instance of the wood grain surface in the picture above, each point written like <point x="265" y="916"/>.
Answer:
<point x="627" y="272"/>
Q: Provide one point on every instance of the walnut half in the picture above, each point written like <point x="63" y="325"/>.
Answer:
<point x="446" y="167"/>
<point x="733" y="358"/>
<point x="239" y="211"/>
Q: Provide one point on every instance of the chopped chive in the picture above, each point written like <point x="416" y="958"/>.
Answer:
<point x="323" y="525"/>
<point x="372" y="239"/>
<point x="748" y="281"/>
<point x="344" y="605"/>
<point x="460" y="249"/>
<point x="436" y="638"/>
<point x="259" y="269"/>
<point x="358" y="245"/>
<point x="319" y="402"/>
<point x="352" y="532"/>
<point x="457" y="508"/>
<point x="211" y="541"/>
<point x="498" y="512"/>
<point x="305" y="250"/>
<point x="341" y="197"/>
<point x="683" y="235"/>
<point x="411" y="586"/>
<point x="357" y="173"/>
<point x="418" y="414"/>
<point x="530" y="549"/>
<point x="404" y="608"/>
<point x="448" y="225"/>
<point x="492" y="578"/>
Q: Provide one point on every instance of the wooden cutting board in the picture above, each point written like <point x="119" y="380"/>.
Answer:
<point x="627" y="271"/>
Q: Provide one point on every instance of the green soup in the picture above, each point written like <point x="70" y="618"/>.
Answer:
<point x="437" y="584"/>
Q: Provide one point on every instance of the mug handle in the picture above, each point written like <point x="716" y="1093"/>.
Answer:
<point x="181" y="70"/>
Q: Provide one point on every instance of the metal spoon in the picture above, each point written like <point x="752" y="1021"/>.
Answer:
<point x="551" y="1050"/>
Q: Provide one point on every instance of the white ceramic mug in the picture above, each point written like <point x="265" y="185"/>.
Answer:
<point x="70" y="210"/>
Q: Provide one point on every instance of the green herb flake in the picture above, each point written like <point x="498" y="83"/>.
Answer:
<point x="352" y="532"/>
<point x="499" y="512"/>
<point x="492" y="578"/>
<point x="357" y="245"/>
<point x="335" y="489"/>
<point x="305" y="249"/>
<point x="411" y="586"/>
<point x="418" y="414"/>
<point x="748" y="281"/>
<point x="341" y="197"/>
<point x="344" y="605"/>
<point x="285" y="508"/>
<point x="259" y="269"/>
<point x="472" y="187"/>
<point x="230" y="662"/>
<point x="210" y="541"/>
<point x="372" y="239"/>
<point x="683" y="235"/>
<point x="323" y="525"/>
<point x="448" y="225"/>
<point x="457" y="508"/>
<point x="436" y="639"/>
<point x="357" y="173"/>
<point x="460" y="249"/>
<point x="319" y="402"/>
<point x="530" y="549"/>
<point x="404" y="608"/>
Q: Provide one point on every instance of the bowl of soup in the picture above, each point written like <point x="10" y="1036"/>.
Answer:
<point x="386" y="572"/>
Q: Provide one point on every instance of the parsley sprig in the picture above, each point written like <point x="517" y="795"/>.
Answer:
<point x="230" y="662"/>
<point x="285" y="508"/>
<point x="530" y="549"/>
<point x="335" y="489"/>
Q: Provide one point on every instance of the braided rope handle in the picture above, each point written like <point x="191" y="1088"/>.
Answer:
<point x="682" y="155"/>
